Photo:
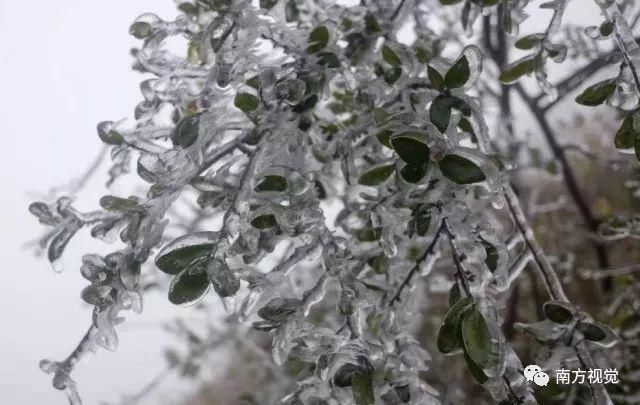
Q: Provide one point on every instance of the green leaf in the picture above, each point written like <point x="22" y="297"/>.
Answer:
<point x="413" y="173"/>
<point x="628" y="132"/>
<point x="529" y="41"/>
<point x="459" y="73"/>
<point x="328" y="59"/>
<point x="492" y="256"/>
<point x="449" y="2"/>
<point x="404" y="393"/>
<point x="188" y="287"/>
<point x="591" y="331"/>
<point x="516" y="70"/>
<point x="392" y="75"/>
<point x="368" y="234"/>
<point x="440" y="113"/>
<point x="422" y="54"/>
<point x="436" y="79"/>
<point x="376" y="176"/>
<point x="384" y="136"/>
<point x="272" y="183"/>
<point x="246" y="102"/>
<point x="291" y="11"/>
<point x="379" y="264"/>
<point x="318" y="39"/>
<point x="476" y="371"/>
<point x="479" y="345"/>
<point x="182" y="251"/>
<point x="111" y="137"/>
<point x="254" y="82"/>
<point x="450" y="334"/>
<point x="112" y="203"/>
<point x="264" y="221"/>
<point x="306" y="105"/>
<point x="606" y="28"/>
<point x="454" y="294"/>
<point x="411" y="148"/>
<point x="371" y="24"/>
<point x="597" y="93"/>
<point x="268" y="4"/>
<point x="141" y="29"/>
<point x="488" y="3"/>
<point x="278" y="309"/>
<point x="224" y="281"/>
<point x="186" y="131"/>
<point x="558" y="312"/>
<point x="460" y="170"/>
<point x="390" y="56"/>
<point x="362" y="386"/>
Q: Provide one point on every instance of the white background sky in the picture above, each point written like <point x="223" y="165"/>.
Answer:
<point x="64" y="66"/>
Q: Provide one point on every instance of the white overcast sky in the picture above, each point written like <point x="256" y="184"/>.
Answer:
<point x="64" y="66"/>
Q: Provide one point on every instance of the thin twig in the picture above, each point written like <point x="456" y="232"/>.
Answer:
<point x="414" y="269"/>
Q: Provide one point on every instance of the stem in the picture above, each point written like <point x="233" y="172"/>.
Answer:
<point x="548" y="274"/>
<point x="457" y="259"/>
<point x="570" y="180"/>
<point x="414" y="269"/>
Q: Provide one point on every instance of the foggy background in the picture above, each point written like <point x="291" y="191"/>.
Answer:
<point x="65" y="66"/>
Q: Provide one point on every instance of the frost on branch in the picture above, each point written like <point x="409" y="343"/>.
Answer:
<point x="282" y="114"/>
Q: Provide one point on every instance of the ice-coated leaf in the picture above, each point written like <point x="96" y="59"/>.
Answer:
<point x="392" y="75"/>
<point x="188" y="287"/>
<point x="278" y="309"/>
<point x="629" y="131"/>
<point x="43" y="213"/>
<point x="379" y="264"/>
<point x="265" y="221"/>
<point x="517" y="69"/>
<point x="179" y="253"/>
<point x="384" y="137"/>
<point x="492" y="255"/>
<point x="268" y="4"/>
<point x="598" y="93"/>
<point x="449" y="2"/>
<point x="224" y="281"/>
<point x="440" y="113"/>
<point x="529" y="41"/>
<point x="458" y="75"/>
<point x="291" y="11"/>
<point x="476" y="371"/>
<point x="558" y="311"/>
<point x="390" y="56"/>
<point x="291" y="90"/>
<point x="329" y="60"/>
<point x="460" y="170"/>
<point x="435" y="78"/>
<point x="376" y="176"/>
<point x="108" y="135"/>
<point x="272" y="183"/>
<point x="318" y="39"/>
<point x="413" y="173"/>
<point x="141" y="29"/>
<point x="450" y="334"/>
<point x="368" y="234"/>
<point x="246" y="102"/>
<point x="362" y="386"/>
<point x="58" y="243"/>
<point x="411" y="147"/>
<point x="598" y="333"/>
<point x="479" y="345"/>
<point x="186" y="131"/>
<point x="466" y="69"/>
<point x="112" y="203"/>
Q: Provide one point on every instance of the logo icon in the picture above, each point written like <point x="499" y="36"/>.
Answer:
<point x="534" y="373"/>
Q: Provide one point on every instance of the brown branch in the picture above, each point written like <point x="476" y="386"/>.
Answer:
<point x="570" y="180"/>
